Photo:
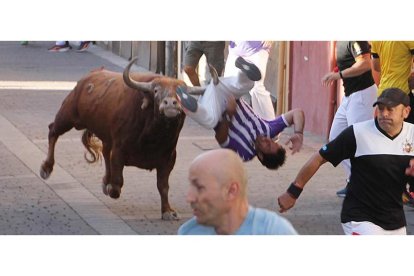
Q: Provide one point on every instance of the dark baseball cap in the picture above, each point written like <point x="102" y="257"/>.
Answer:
<point x="391" y="97"/>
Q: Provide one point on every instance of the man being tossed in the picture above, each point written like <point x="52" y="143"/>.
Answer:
<point x="236" y="125"/>
<point x="250" y="136"/>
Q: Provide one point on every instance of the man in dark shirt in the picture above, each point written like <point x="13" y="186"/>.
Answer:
<point x="354" y="68"/>
<point x="380" y="151"/>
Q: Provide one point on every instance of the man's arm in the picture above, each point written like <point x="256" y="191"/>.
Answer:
<point x="222" y="131"/>
<point x="222" y="128"/>
<point x="411" y="78"/>
<point x="362" y="64"/>
<point x="375" y="60"/>
<point x="296" y="118"/>
<point x="287" y="200"/>
<point x="341" y="148"/>
<point x="376" y="64"/>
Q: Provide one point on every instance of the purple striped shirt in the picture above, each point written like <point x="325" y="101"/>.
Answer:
<point x="245" y="126"/>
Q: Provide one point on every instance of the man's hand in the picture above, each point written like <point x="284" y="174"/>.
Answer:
<point x="267" y="44"/>
<point x="410" y="170"/>
<point x="231" y="106"/>
<point x="285" y="201"/>
<point x="297" y="142"/>
<point x="329" y="78"/>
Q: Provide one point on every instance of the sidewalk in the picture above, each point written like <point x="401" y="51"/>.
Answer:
<point x="34" y="82"/>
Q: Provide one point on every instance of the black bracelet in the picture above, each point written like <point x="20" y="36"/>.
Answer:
<point x="340" y="74"/>
<point x="294" y="190"/>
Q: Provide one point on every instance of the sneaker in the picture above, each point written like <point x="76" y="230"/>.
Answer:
<point x="83" y="46"/>
<point x="251" y="70"/>
<point x="342" y="193"/>
<point x="60" y="48"/>
<point x="186" y="100"/>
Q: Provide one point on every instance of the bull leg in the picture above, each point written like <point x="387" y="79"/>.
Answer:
<point x="54" y="132"/>
<point x="117" y="179"/>
<point x="163" y="174"/>
<point x="106" y="152"/>
<point x="47" y="166"/>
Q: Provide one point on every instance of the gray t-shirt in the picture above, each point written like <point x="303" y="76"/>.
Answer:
<point x="258" y="222"/>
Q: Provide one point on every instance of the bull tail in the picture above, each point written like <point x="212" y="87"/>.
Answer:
<point x="93" y="146"/>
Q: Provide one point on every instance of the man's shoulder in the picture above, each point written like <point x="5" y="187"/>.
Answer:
<point x="409" y="127"/>
<point x="266" y="222"/>
<point x="192" y="227"/>
<point x="366" y="122"/>
<point x="364" y="129"/>
<point x="364" y="125"/>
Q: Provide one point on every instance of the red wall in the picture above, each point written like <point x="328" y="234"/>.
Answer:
<point x="309" y="62"/>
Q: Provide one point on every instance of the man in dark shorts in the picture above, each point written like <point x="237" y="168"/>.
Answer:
<point x="214" y="52"/>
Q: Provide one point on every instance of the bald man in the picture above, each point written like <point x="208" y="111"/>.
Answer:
<point x="217" y="195"/>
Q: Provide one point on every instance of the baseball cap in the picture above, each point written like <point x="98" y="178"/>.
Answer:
<point x="392" y="97"/>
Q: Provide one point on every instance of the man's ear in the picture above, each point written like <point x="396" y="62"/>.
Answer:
<point x="259" y="154"/>
<point x="406" y="111"/>
<point x="233" y="190"/>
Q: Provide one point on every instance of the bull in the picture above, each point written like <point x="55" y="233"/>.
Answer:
<point x="137" y="118"/>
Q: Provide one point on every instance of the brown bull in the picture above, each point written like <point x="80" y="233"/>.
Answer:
<point x="138" y="119"/>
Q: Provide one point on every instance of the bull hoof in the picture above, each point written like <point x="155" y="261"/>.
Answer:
<point x="112" y="192"/>
<point x="44" y="173"/>
<point x="104" y="189"/>
<point x="171" y="215"/>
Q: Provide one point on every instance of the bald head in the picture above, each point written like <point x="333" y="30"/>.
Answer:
<point x="224" y="164"/>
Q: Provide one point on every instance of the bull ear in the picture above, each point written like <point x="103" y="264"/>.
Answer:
<point x="143" y="86"/>
<point x="214" y="74"/>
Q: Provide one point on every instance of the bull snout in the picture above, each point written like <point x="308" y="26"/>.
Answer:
<point x="170" y="107"/>
<point x="170" y="101"/>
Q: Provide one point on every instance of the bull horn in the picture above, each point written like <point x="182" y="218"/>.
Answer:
<point x="201" y="90"/>
<point x="214" y="74"/>
<point x="144" y="86"/>
<point x="196" y="90"/>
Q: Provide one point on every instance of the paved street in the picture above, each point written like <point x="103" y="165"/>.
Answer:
<point x="33" y="83"/>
